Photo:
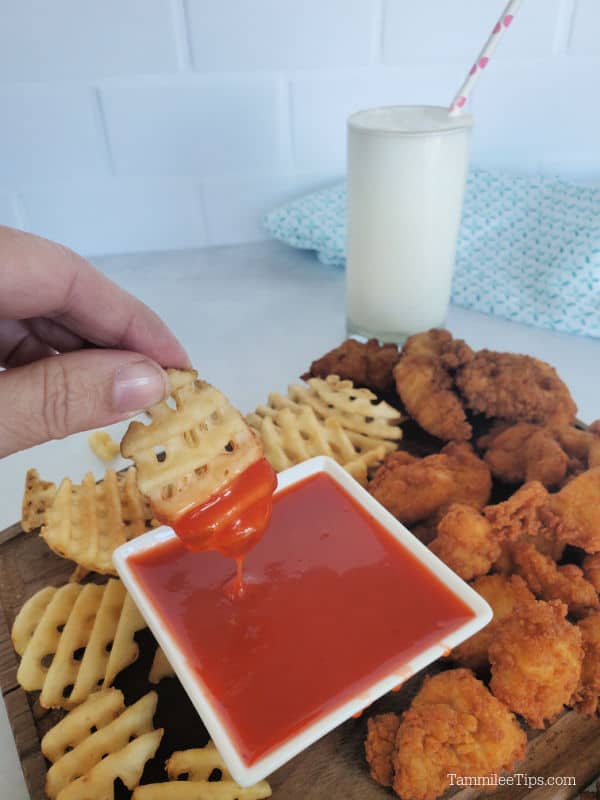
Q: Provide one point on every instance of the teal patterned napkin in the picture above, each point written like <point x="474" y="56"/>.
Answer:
<point x="529" y="247"/>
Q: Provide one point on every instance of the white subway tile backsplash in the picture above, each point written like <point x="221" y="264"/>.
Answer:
<point x="321" y="105"/>
<point x="117" y="216"/>
<point x="585" y="29"/>
<point x="432" y="32"/>
<point x="153" y="124"/>
<point x="41" y="40"/>
<point x="270" y="34"/>
<point x="49" y="132"/>
<point x="526" y="115"/>
<point x="203" y="126"/>
<point x="235" y="209"/>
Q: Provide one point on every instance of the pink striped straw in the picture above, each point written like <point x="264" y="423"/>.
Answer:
<point x="463" y="94"/>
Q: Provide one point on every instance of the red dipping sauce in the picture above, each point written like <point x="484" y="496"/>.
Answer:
<point x="332" y="604"/>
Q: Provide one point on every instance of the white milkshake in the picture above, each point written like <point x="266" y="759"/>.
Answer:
<point x="407" y="168"/>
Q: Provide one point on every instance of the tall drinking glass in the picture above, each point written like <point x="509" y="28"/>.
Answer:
<point x="407" y="168"/>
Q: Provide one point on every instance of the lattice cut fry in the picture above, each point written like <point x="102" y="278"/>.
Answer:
<point x="37" y="497"/>
<point x="291" y="435"/>
<point x="198" y="765"/>
<point x="87" y="522"/>
<point x="188" y="452"/>
<point x="75" y="639"/>
<point x="101" y="728"/>
<point x="103" y="445"/>
<point x="160" y="668"/>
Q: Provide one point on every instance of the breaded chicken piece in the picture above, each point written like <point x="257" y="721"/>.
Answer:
<point x="581" y="446"/>
<point x="454" y="725"/>
<point x="503" y="594"/>
<point x="466" y="542"/>
<point x="525" y="512"/>
<point x="591" y="570"/>
<point x="587" y="695"/>
<point x="577" y="507"/>
<point x="551" y="582"/>
<point x="525" y="452"/>
<point x="517" y="388"/>
<point x="367" y="364"/>
<point x="425" y="385"/>
<point x="380" y="745"/>
<point x="422" y="489"/>
<point x="536" y="659"/>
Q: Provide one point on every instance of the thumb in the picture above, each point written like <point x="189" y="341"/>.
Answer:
<point x="63" y="394"/>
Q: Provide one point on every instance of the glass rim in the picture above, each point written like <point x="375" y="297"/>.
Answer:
<point x="463" y="122"/>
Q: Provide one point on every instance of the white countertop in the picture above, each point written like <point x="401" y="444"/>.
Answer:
<point x="252" y="318"/>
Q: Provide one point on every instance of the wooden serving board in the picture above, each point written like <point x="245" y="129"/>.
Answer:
<point x="332" y="768"/>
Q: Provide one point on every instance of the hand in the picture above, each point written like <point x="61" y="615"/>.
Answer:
<point x="79" y="351"/>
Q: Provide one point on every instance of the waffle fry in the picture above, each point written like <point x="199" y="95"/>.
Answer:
<point x="198" y="765"/>
<point x="103" y="445"/>
<point x="37" y="497"/>
<point x="160" y="668"/>
<point x="87" y="522"/>
<point x="187" y="453"/>
<point x="85" y="632"/>
<point x="321" y="420"/>
<point x="96" y="743"/>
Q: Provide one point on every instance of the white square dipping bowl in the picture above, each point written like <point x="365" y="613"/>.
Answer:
<point x="245" y="774"/>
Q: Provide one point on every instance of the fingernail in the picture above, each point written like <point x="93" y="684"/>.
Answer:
<point x="138" y="386"/>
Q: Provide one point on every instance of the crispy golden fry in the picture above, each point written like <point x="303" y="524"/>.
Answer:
<point x="103" y="445"/>
<point x="328" y="417"/>
<point x="87" y="522"/>
<point x="536" y="659"/>
<point x="455" y="725"/>
<point x="414" y="490"/>
<point x="37" y="497"/>
<point x="551" y="582"/>
<point x="466" y="542"/>
<point x="424" y="383"/>
<point x="525" y="452"/>
<point x="587" y="695"/>
<point x="516" y="388"/>
<point x="197" y="766"/>
<point x="380" y="746"/>
<point x="368" y="364"/>
<point x="88" y="631"/>
<point x="503" y="594"/>
<point x="113" y="731"/>
<point x="577" y="507"/>
<point x="160" y="668"/>
<point x="591" y="570"/>
<point x="188" y="452"/>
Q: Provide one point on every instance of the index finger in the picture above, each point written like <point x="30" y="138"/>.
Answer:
<point x="42" y="278"/>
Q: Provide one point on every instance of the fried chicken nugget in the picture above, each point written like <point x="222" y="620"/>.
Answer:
<point x="587" y="695"/>
<point x="504" y="594"/>
<point x="418" y="489"/>
<point x="591" y="570"/>
<point x="551" y="582"/>
<point x="380" y="745"/>
<point x="454" y="725"/>
<point x="425" y="385"/>
<point x="515" y="387"/>
<point x="466" y="542"/>
<point x="536" y="659"/>
<point x="525" y="452"/>
<point x="523" y="513"/>
<point x="367" y="364"/>
<point x="577" y="509"/>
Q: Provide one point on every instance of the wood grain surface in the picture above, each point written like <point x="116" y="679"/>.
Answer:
<point x="332" y="768"/>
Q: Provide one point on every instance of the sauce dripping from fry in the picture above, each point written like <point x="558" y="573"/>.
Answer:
<point x="233" y="520"/>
